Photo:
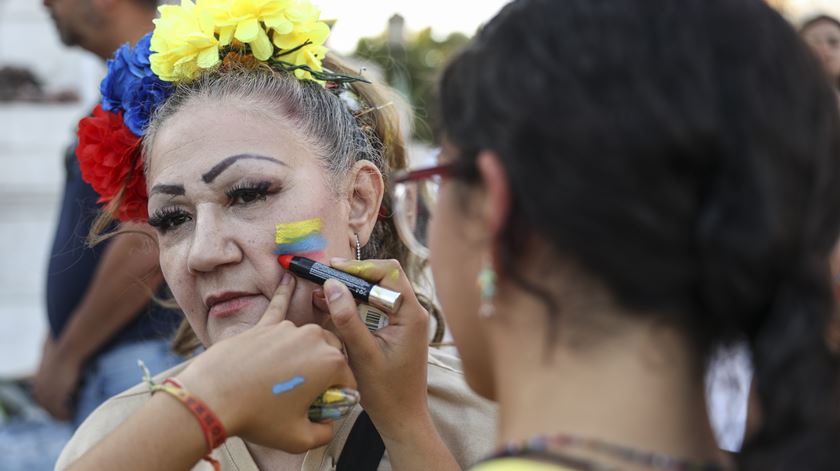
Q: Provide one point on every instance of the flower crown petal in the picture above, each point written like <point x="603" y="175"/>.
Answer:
<point x="208" y="58"/>
<point x="262" y="47"/>
<point x="226" y="35"/>
<point x="247" y="31"/>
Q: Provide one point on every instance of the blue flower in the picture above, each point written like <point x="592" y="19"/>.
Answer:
<point x="142" y="100"/>
<point x="141" y="56"/>
<point x="125" y="73"/>
<point x="118" y="79"/>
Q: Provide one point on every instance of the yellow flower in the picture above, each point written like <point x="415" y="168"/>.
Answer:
<point x="296" y="12"/>
<point x="244" y="19"/>
<point x="310" y="56"/>
<point x="183" y="42"/>
<point x="188" y="37"/>
<point x="315" y="32"/>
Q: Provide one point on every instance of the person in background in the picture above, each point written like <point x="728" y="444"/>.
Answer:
<point x="99" y="300"/>
<point x="822" y="33"/>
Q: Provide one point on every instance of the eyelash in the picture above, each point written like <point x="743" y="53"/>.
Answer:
<point x="166" y="219"/>
<point x="240" y="193"/>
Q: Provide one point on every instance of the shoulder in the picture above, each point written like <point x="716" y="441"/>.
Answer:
<point x="466" y="421"/>
<point x="107" y="417"/>
<point x="447" y="384"/>
<point x="517" y="464"/>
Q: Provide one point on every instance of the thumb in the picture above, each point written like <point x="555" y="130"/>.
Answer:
<point x="360" y="344"/>
<point x="279" y="304"/>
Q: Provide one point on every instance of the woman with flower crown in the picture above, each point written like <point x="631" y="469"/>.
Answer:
<point x="228" y="122"/>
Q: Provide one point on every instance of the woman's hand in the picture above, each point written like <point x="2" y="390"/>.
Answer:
<point x="236" y="378"/>
<point x="390" y="363"/>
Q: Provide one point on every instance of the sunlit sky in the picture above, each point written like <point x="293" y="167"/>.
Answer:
<point x="809" y="7"/>
<point x="360" y="18"/>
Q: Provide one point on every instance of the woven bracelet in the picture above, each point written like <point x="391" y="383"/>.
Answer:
<point x="211" y="426"/>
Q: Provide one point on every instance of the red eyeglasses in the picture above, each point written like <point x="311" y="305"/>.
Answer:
<point x="415" y="197"/>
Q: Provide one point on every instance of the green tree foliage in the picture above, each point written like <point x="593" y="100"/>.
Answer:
<point x="412" y="68"/>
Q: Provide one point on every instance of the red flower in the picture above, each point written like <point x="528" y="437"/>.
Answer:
<point x="109" y="156"/>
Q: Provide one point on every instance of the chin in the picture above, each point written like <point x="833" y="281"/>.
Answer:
<point x="217" y="333"/>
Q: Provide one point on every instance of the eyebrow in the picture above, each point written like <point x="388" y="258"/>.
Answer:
<point x="224" y="164"/>
<point x="174" y="190"/>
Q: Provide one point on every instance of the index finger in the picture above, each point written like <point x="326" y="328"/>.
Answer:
<point x="279" y="304"/>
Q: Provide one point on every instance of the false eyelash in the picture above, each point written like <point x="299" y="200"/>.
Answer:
<point x="258" y="191"/>
<point x="165" y="219"/>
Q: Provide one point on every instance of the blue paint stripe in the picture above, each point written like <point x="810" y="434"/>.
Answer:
<point x="313" y="243"/>
<point x="287" y="386"/>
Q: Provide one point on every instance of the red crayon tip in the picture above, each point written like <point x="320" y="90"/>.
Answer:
<point x="285" y="260"/>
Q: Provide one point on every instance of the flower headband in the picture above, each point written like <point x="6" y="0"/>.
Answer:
<point x="188" y="39"/>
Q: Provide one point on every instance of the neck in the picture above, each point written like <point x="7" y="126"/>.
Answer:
<point x="635" y="386"/>
<point x="123" y="27"/>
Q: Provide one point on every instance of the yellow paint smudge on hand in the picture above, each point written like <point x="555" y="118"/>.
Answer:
<point x="368" y="270"/>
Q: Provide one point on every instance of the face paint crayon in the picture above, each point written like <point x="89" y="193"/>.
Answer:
<point x="361" y="289"/>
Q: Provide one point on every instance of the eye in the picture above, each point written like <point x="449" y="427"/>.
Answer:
<point x="245" y="193"/>
<point x="166" y="219"/>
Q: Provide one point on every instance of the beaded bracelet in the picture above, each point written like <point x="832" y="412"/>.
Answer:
<point x="211" y="426"/>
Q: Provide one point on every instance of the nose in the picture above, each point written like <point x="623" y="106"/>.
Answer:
<point x="214" y="243"/>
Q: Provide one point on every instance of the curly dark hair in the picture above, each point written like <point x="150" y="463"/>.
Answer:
<point x="686" y="155"/>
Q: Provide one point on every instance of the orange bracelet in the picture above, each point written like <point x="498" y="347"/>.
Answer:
<point x="211" y="426"/>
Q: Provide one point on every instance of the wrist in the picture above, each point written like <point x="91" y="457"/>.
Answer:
<point x="408" y="428"/>
<point x="70" y="354"/>
<point x="203" y="387"/>
<point x="211" y="427"/>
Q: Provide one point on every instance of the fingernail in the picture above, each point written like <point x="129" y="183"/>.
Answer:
<point x="287" y="278"/>
<point x="332" y="290"/>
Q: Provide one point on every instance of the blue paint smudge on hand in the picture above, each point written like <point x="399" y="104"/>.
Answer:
<point x="287" y="386"/>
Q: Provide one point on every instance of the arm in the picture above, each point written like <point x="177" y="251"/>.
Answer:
<point x="144" y="441"/>
<point x="125" y="278"/>
<point x="235" y="378"/>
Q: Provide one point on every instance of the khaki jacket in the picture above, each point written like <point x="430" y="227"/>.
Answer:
<point x="465" y="421"/>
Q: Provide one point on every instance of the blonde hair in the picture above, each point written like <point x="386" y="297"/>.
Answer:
<point x="341" y="138"/>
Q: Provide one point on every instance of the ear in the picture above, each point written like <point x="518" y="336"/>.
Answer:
<point x="494" y="206"/>
<point x="364" y="197"/>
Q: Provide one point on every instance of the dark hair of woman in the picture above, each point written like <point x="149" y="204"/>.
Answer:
<point x="685" y="155"/>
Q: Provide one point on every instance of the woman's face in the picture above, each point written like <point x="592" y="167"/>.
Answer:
<point x="219" y="180"/>
<point x="456" y="244"/>
<point x="824" y="39"/>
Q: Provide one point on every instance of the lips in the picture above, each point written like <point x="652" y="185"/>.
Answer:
<point x="228" y="304"/>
